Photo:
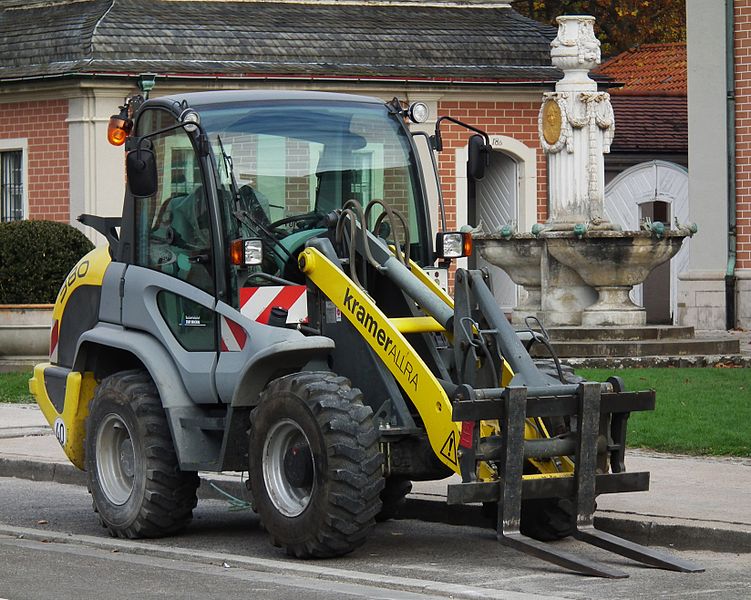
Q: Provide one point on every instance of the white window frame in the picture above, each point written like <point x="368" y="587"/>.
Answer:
<point x="16" y="144"/>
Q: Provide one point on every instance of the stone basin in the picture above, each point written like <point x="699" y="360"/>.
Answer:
<point x="613" y="262"/>
<point x="520" y="257"/>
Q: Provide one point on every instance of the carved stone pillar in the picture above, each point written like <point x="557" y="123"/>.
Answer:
<point x="576" y="127"/>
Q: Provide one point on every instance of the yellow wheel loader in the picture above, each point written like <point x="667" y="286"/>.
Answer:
<point x="270" y="301"/>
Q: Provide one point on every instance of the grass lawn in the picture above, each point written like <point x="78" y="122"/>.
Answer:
<point x="699" y="411"/>
<point x="14" y="387"/>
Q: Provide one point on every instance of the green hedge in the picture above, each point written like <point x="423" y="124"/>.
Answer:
<point x="35" y="257"/>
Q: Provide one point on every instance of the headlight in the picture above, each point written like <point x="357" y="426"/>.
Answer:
<point x="453" y="244"/>
<point x="418" y="112"/>
<point x="190" y="119"/>
<point x="246" y="253"/>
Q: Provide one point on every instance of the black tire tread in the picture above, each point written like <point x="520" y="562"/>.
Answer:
<point x="548" y="519"/>
<point x="169" y="497"/>
<point x="393" y="498"/>
<point x="353" y="462"/>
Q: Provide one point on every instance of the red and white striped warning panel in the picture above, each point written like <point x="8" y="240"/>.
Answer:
<point x="256" y="302"/>
<point x="234" y="336"/>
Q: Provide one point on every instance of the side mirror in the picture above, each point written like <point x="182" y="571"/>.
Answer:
<point x="140" y="167"/>
<point x="478" y="157"/>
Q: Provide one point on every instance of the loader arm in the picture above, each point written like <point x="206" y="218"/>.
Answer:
<point x="386" y="336"/>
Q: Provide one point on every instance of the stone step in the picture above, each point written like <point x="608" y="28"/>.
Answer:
<point x="24" y="364"/>
<point x="649" y="332"/>
<point x="663" y="362"/>
<point x="630" y="348"/>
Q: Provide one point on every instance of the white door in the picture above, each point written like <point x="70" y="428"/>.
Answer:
<point x="496" y="204"/>
<point x="649" y="182"/>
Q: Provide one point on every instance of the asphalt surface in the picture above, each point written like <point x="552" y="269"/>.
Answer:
<point x="50" y="541"/>
<point x="697" y="508"/>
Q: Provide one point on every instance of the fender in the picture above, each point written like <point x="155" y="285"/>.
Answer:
<point x="77" y="305"/>
<point x="147" y="349"/>
<point x="193" y="448"/>
<point x="63" y="397"/>
<point x="289" y="355"/>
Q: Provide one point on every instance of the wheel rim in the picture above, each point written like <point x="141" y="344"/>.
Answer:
<point x="115" y="459"/>
<point x="288" y="468"/>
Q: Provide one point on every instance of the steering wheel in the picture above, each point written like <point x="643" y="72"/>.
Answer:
<point x="313" y="217"/>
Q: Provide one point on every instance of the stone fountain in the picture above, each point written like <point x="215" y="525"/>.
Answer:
<point x="577" y="268"/>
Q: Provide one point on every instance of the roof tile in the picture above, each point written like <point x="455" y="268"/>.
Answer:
<point x="274" y="38"/>
<point x="650" y="124"/>
<point x="658" y="69"/>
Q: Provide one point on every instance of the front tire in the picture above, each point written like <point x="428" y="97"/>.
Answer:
<point x="315" y="466"/>
<point x="133" y="474"/>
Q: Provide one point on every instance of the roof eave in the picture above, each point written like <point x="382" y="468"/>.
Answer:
<point x="402" y="79"/>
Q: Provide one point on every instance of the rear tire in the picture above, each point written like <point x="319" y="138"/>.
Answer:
<point x="547" y="519"/>
<point x="136" y="484"/>
<point x="315" y="467"/>
<point x="393" y="497"/>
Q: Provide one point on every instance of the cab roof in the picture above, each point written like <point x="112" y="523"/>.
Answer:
<point x="206" y="99"/>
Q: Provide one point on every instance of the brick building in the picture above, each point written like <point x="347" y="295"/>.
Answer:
<point x="66" y="67"/>
<point x="34" y="160"/>
<point x="650" y="105"/>
<point x="479" y="61"/>
<point x="742" y="224"/>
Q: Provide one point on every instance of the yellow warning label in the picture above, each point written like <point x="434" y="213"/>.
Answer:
<point x="448" y="450"/>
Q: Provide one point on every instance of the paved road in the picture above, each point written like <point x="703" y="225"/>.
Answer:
<point x="51" y="546"/>
<point x="52" y="570"/>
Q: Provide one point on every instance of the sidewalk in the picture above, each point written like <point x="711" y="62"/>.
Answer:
<point x="693" y="503"/>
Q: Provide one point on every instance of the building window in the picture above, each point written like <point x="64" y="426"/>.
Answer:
<point x="11" y="185"/>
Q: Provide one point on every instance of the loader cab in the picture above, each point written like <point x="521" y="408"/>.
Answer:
<point x="262" y="166"/>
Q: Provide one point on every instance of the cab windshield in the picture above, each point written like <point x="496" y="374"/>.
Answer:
<point x="293" y="158"/>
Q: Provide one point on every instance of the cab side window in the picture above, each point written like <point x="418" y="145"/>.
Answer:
<point x="173" y="233"/>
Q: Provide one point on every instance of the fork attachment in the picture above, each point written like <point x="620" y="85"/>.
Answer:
<point x="597" y="413"/>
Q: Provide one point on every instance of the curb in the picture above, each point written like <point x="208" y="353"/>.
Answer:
<point x="68" y="474"/>
<point x="41" y="471"/>
<point x="679" y="536"/>
<point x="642" y="529"/>
<point x="643" y="362"/>
<point x="10" y="364"/>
